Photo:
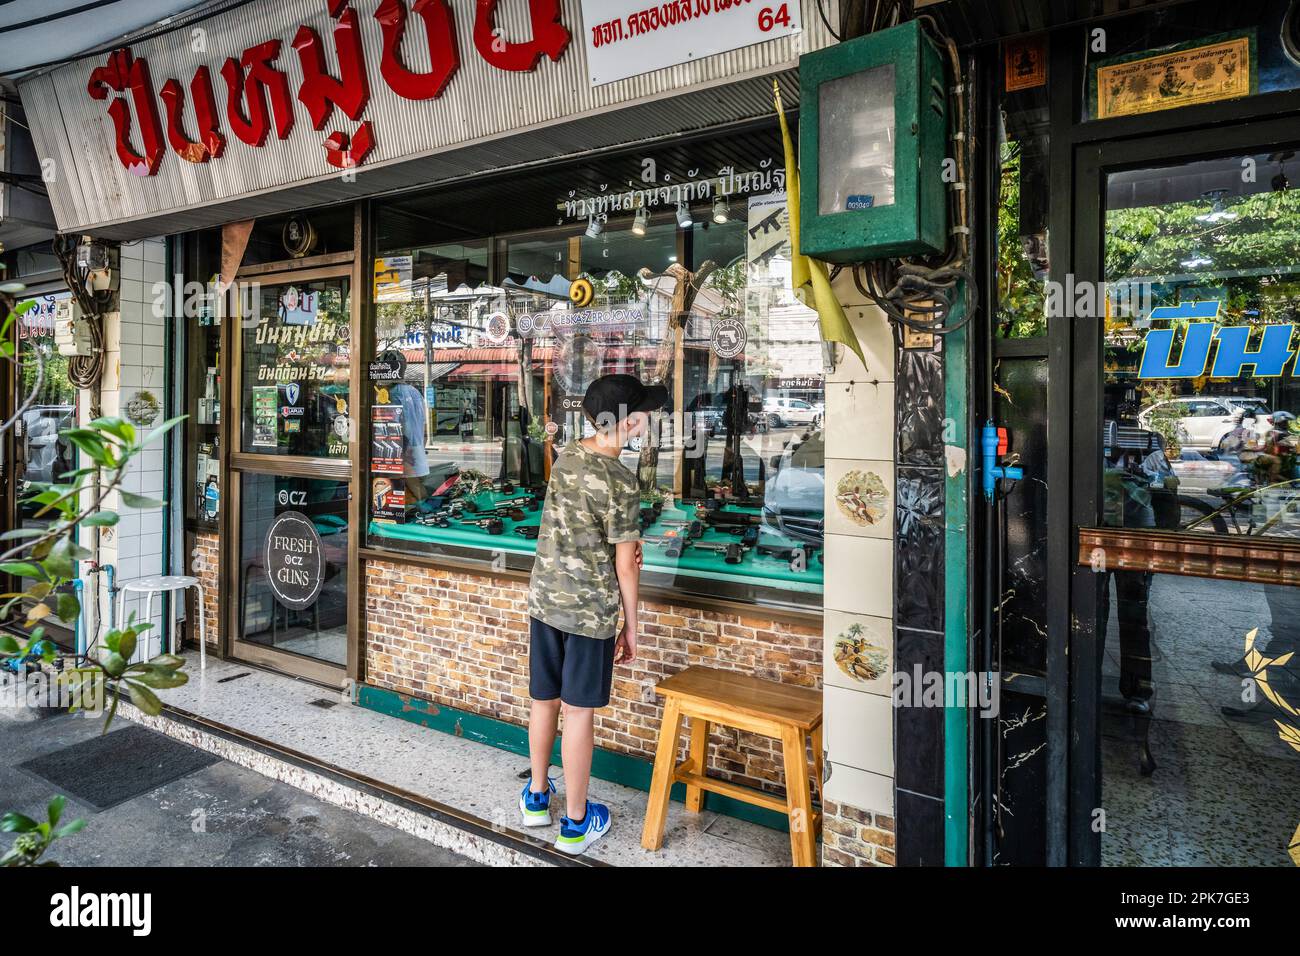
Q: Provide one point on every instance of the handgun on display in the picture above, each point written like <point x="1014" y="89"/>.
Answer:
<point x="733" y="551"/>
<point x="672" y="543"/>
<point x="491" y="524"/>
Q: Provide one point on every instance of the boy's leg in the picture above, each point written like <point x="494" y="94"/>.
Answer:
<point x="588" y="677"/>
<point x="576" y="746"/>
<point x="542" y="720"/>
<point x="545" y="675"/>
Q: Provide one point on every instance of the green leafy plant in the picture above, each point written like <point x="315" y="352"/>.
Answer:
<point x="35" y="838"/>
<point x="44" y="558"/>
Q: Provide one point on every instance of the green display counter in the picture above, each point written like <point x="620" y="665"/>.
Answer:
<point x="754" y="568"/>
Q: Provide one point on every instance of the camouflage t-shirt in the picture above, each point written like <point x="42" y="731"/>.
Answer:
<point x="592" y="504"/>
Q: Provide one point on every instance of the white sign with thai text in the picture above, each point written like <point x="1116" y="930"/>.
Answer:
<point x="630" y="37"/>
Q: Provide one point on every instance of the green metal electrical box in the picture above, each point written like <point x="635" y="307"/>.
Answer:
<point x="873" y="131"/>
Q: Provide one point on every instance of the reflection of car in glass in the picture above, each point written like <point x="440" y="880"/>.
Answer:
<point x="1201" y="421"/>
<point x="790" y="411"/>
<point x="794" y="504"/>
<point x="1197" y="473"/>
<point x="47" y="455"/>
<point x="702" y="414"/>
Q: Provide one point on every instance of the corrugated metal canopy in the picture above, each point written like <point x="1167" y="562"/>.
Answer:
<point x="35" y="33"/>
<point x="486" y="119"/>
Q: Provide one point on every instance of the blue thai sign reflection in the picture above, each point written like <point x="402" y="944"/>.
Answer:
<point x="1230" y="358"/>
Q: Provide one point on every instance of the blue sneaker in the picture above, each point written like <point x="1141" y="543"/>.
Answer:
<point x="574" y="838"/>
<point x="536" y="807"/>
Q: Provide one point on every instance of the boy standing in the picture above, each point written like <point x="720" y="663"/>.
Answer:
<point x="588" y="562"/>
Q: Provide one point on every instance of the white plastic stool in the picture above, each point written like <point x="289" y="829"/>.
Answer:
<point x="159" y="584"/>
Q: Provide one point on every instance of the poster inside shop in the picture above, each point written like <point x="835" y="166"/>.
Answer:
<point x="1185" y="75"/>
<point x="266" y="415"/>
<point x="393" y="278"/>
<point x="768" y="238"/>
<point x="387" y="440"/>
<point x="298" y="306"/>
<point x="387" y="499"/>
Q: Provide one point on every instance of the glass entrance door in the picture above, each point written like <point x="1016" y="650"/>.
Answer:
<point x="1186" y="681"/>
<point x="35" y="449"/>
<point x="290" y="490"/>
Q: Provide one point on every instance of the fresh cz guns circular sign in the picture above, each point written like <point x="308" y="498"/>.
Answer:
<point x="295" y="566"/>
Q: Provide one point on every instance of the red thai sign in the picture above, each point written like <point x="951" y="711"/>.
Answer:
<point x="257" y="93"/>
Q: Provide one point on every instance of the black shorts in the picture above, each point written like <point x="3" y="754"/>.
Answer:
<point x="578" y="670"/>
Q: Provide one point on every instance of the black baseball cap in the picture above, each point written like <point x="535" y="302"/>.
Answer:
<point x="620" y="396"/>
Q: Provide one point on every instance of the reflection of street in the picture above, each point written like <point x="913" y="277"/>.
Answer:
<point x="485" y="456"/>
<point x="1224" y="793"/>
<point x="1220" y="493"/>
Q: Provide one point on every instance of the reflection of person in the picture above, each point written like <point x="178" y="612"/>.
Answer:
<point x="588" y="562"/>
<point x="415" y="462"/>
<point x="1241" y="437"/>
<point x="466" y="422"/>
<point x="1139" y="491"/>
<point x="1276" y="459"/>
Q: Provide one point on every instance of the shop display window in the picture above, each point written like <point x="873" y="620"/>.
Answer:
<point x="294" y="373"/>
<point x="201" y="319"/>
<point x="1202" y="300"/>
<point x="485" y="343"/>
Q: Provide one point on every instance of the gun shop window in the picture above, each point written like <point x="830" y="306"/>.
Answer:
<point x="496" y="305"/>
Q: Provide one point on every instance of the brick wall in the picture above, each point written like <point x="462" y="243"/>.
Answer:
<point x="204" y="562"/>
<point x="853" y="837"/>
<point x="461" y="639"/>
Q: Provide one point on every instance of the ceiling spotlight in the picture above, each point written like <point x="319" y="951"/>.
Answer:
<point x="1196" y="260"/>
<point x="1218" y="213"/>
<point x="721" y="210"/>
<point x="684" y="216"/>
<point x="639" y="221"/>
<point x="594" y="227"/>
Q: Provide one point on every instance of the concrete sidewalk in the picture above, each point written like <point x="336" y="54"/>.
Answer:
<point x="220" y="815"/>
<point x="474" y="783"/>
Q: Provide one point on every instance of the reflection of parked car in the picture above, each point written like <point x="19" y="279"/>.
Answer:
<point x="47" y="455"/>
<point x="1201" y="421"/>
<point x="794" y="504"/>
<point x="790" y="411"/>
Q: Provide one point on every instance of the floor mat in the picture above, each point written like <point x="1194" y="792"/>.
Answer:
<point x="109" y="770"/>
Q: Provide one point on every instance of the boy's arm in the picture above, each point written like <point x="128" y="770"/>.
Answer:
<point x="629" y="580"/>
<point x="623" y="530"/>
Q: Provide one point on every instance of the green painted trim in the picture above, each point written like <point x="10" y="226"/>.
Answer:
<point x="956" y="658"/>
<point x="623" y="769"/>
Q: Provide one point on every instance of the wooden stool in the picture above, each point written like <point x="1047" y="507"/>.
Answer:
<point x="710" y="696"/>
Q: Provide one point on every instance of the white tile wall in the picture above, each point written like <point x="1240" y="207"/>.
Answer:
<point x="860" y="575"/>
<point x="859" y="730"/>
<point x="841" y="516"/>
<point x="859" y="434"/>
<point x="876" y="637"/>
<point x="861" y="788"/>
<point x="134" y="340"/>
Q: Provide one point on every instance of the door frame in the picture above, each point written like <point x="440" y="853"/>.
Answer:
<point x="236" y="463"/>
<point x="42" y="285"/>
<point x="1092" y="162"/>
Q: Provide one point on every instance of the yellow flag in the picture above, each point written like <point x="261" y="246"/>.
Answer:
<point x="809" y="272"/>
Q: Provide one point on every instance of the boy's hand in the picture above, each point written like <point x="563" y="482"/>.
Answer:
<point x="640" y="557"/>
<point x="625" y="645"/>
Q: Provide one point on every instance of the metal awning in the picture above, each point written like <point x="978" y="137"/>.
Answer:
<point x="40" y="33"/>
